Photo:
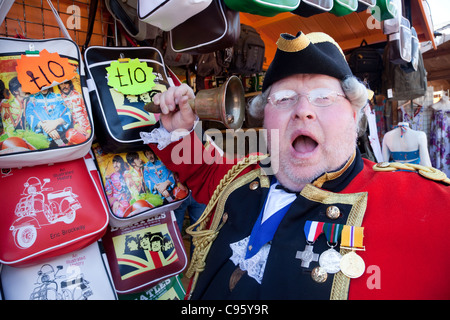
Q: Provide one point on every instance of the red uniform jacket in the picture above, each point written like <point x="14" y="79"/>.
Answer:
<point x="405" y="221"/>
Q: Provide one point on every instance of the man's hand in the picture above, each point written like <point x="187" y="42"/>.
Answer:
<point x="176" y="113"/>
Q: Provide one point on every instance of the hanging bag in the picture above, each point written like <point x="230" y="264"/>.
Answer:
<point x="169" y="289"/>
<point x="139" y="73"/>
<point x="78" y="275"/>
<point x="366" y="63"/>
<point x="344" y="7"/>
<point x="215" y="28"/>
<point x="145" y="253"/>
<point x="400" y="85"/>
<point x="413" y="65"/>
<point x="49" y="210"/>
<point x="248" y="52"/>
<point x="385" y="9"/>
<point x="400" y="44"/>
<point x="137" y="185"/>
<point x="309" y="8"/>
<point x="125" y="12"/>
<point x="167" y="14"/>
<point x="393" y="25"/>
<point x="268" y="8"/>
<point x="46" y="117"/>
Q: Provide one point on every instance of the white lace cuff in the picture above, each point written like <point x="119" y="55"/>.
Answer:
<point x="163" y="137"/>
<point x="255" y="265"/>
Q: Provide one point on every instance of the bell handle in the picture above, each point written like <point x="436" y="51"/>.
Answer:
<point x="154" y="108"/>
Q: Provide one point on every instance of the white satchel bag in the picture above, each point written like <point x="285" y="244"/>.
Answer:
<point x="167" y="14"/>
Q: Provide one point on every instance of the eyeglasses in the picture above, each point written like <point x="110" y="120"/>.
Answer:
<point x="321" y="97"/>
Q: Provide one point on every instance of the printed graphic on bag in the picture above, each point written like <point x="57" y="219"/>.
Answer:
<point x="50" y="285"/>
<point x="50" y="118"/>
<point x="136" y="181"/>
<point x="41" y="205"/>
<point x="144" y="250"/>
<point x="168" y="289"/>
<point x="78" y="275"/>
<point x="130" y="108"/>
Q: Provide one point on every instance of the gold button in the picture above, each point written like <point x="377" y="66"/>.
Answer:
<point x="333" y="212"/>
<point x="384" y="164"/>
<point x="254" y="185"/>
<point x="319" y="275"/>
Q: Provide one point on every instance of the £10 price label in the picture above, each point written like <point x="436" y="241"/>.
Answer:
<point x="37" y="72"/>
<point x="131" y="77"/>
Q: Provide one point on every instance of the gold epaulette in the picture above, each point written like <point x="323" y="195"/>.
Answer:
<point x="425" y="171"/>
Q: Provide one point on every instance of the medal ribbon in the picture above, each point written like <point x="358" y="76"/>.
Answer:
<point x="313" y="230"/>
<point x="352" y="237"/>
<point x="333" y="231"/>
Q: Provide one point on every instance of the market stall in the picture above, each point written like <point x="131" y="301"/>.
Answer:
<point x="77" y="80"/>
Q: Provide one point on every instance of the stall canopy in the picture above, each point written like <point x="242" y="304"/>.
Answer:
<point x="350" y="30"/>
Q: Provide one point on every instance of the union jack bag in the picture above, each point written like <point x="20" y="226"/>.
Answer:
<point x="145" y="253"/>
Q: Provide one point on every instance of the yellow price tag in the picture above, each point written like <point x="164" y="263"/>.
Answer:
<point x="130" y="76"/>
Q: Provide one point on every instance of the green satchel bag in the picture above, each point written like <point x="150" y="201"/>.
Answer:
<point x="385" y="9"/>
<point x="344" y="7"/>
<point x="268" y="8"/>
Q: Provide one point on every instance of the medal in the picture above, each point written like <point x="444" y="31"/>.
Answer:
<point x="330" y="259"/>
<point x="307" y="256"/>
<point x="312" y="230"/>
<point x="352" y="265"/>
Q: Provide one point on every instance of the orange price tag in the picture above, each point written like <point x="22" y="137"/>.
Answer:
<point x="43" y="71"/>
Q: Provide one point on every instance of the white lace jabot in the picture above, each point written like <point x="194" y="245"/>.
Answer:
<point x="255" y="265"/>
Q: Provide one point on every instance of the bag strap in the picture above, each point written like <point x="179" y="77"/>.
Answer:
<point x="59" y="21"/>
<point x="5" y="5"/>
<point x="92" y="10"/>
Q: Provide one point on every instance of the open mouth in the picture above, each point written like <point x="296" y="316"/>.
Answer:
<point x="304" y="144"/>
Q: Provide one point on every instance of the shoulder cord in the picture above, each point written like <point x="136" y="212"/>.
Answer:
<point x="202" y="238"/>
<point x="425" y="171"/>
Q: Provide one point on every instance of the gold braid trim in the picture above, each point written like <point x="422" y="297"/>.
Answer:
<point x="426" y="172"/>
<point x="203" y="238"/>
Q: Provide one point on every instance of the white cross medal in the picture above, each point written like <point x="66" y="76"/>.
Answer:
<point x="312" y="229"/>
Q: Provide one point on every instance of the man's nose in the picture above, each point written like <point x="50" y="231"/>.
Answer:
<point x="303" y="109"/>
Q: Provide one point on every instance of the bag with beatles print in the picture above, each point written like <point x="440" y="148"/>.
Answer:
<point x="145" y="253"/>
<point x="137" y="185"/>
<point x="49" y="210"/>
<point x="121" y="81"/>
<point x="78" y="275"/>
<point x="44" y="104"/>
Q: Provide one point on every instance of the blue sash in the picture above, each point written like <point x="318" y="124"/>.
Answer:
<point x="263" y="233"/>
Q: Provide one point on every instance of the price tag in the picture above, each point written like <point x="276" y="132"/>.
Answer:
<point x="45" y="70"/>
<point x="130" y="76"/>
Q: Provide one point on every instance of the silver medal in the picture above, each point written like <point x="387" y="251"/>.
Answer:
<point x="330" y="261"/>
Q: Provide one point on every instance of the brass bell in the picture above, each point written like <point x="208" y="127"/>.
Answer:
<point x="225" y="104"/>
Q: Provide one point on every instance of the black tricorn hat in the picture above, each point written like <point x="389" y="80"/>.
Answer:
<point x="315" y="53"/>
